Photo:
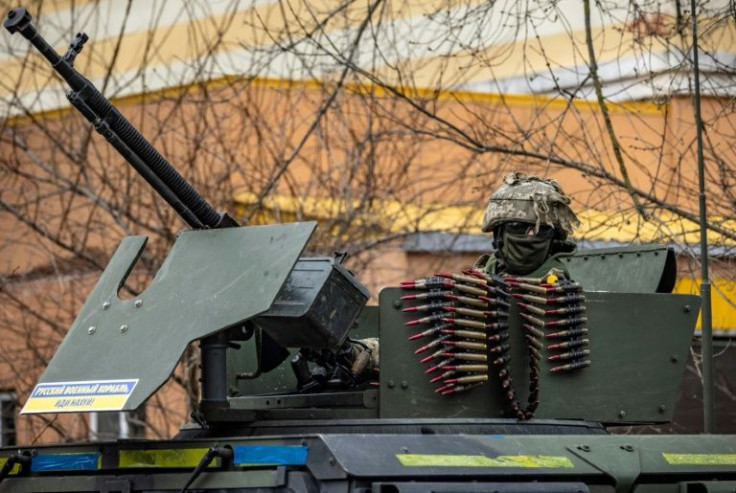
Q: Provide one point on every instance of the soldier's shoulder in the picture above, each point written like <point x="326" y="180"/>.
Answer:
<point x="486" y="262"/>
<point x="553" y="264"/>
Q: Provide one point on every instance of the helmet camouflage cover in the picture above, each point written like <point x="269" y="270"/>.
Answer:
<point x="532" y="200"/>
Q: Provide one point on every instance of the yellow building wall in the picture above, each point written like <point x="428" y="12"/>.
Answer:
<point x="723" y="302"/>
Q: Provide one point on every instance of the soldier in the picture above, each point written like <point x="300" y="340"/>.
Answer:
<point x="530" y="219"/>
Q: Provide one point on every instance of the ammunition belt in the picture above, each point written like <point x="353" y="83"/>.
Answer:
<point x="467" y="314"/>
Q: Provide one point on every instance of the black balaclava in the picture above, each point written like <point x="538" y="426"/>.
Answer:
<point x="522" y="253"/>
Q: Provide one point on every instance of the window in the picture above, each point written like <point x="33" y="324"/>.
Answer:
<point x="8" y="405"/>
<point x="110" y="426"/>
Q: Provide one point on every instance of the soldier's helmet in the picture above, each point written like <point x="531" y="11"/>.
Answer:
<point x="530" y="199"/>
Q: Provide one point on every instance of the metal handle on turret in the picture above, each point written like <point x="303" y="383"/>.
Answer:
<point x="124" y="137"/>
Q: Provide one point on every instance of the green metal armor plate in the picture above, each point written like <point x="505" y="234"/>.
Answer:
<point x="638" y="343"/>
<point x="633" y="269"/>
<point x="394" y="461"/>
<point x="118" y="352"/>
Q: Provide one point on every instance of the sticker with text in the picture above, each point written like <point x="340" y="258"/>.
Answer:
<point x="65" y="397"/>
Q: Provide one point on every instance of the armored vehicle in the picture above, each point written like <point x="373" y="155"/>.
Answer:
<point x="292" y="399"/>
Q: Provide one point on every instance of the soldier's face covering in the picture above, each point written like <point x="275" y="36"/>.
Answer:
<point x="523" y="249"/>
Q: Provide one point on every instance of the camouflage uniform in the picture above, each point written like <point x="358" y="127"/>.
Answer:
<point x="536" y="201"/>
<point x="490" y="263"/>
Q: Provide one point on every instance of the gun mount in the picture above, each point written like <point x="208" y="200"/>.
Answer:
<point x="268" y="431"/>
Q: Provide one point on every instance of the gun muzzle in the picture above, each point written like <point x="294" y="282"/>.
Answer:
<point x="18" y="20"/>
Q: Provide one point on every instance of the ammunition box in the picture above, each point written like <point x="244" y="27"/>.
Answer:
<point x="316" y="307"/>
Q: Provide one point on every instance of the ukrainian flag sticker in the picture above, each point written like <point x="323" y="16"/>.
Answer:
<point x="67" y="397"/>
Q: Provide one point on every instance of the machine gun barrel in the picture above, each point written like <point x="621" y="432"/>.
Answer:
<point x="124" y="137"/>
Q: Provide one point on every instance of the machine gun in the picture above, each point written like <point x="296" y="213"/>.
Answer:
<point x="123" y="136"/>
<point x="295" y="318"/>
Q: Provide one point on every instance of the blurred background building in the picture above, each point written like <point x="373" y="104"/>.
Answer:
<point x="388" y="122"/>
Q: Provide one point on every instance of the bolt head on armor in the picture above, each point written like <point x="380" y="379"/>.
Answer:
<point x="530" y="199"/>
